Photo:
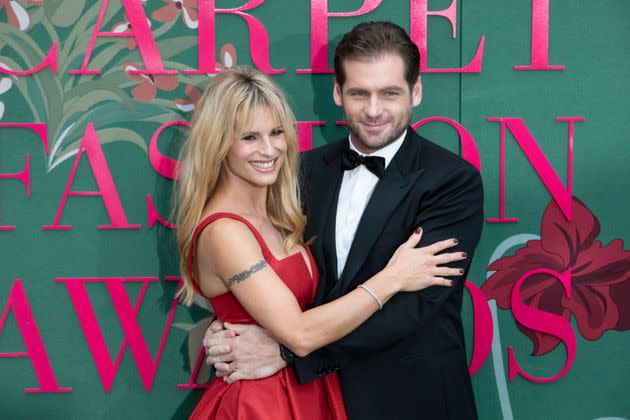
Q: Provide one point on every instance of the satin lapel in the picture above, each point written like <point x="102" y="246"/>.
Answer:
<point x="400" y="176"/>
<point x="387" y="195"/>
<point x="329" y="240"/>
<point x="324" y="203"/>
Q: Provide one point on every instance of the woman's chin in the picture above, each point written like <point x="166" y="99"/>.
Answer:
<point x="264" y="180"/>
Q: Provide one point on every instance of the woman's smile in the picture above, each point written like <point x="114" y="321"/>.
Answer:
<point x="264" y="166"/>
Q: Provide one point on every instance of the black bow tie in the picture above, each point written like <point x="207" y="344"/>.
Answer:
<point x="374" y="164"/>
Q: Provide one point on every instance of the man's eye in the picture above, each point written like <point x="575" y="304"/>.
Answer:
<point x="391" y="93"/>
<point x="358" y="94"/>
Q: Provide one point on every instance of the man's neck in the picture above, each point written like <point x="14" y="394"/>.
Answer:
<point x="388" y="151"/>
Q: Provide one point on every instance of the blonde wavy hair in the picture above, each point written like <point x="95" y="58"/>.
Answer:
<point x="228" y="103"/>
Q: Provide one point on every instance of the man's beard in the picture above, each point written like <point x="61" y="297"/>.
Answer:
<point x="397" y="131"/>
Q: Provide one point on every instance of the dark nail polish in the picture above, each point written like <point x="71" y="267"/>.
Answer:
<point x="451" y="283"/>
<point x="461" y="271"/>
<point x="464" y="254"/>
<point x="418" y="231"/>
<point x="455" y="241"/>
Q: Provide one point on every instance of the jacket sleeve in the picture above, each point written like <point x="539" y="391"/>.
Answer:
<point x="454" y="210"/>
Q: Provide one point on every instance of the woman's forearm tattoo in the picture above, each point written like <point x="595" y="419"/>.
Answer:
<point x="245" y="274"/>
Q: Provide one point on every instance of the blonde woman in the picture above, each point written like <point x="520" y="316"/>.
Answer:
<point x="240" y="228"/>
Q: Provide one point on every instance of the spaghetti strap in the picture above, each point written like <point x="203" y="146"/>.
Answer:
<point x="211" y="218"/>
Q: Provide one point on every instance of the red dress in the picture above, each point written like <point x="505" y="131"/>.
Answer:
<point x="279" y="396"/>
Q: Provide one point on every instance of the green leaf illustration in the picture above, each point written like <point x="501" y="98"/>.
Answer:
<point x="106" y="135"/>
<point x="46" y="84"/>
<point x="107" y="114"/>
<point x="79" y="33"/>
<point x="90" y="100"/>
<point x="64" y="13"/>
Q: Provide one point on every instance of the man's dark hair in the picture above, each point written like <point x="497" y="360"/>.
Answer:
<point x="373" y="40"/>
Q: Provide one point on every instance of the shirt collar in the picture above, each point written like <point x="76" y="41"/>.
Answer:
<point x="388" y="152"/>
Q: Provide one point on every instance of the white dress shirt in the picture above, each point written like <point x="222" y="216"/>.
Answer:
<point x="357" y="186"/>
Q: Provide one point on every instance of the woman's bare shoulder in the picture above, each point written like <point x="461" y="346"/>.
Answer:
<point x="225" y="233"/>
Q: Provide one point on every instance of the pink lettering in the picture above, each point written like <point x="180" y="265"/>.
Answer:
<point x="35" y="349"/>
<point x="305" y="134"/>
<point x="483" y="328"/>
<point x="469" y="147"/>
<point x="106" y="187"/>
<point x="192" y="384"/>
<point x="139" y="30"/>
<point x="127" y="315"/>
<point x="540" y="38"/>
<point x="49" y="61"/>
<point x="153" y="216"/>
<point x="544" y="322"/>
<point x="162" y="164"/>
<point x="24" y="176"/>
<point x="258" y="38"/>
<point x="418" y="32"/>
<point x="319" y="31"/>
<point x="541" y="165"/>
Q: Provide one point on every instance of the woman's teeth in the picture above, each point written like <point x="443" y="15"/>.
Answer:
<point x="264" y="165"/>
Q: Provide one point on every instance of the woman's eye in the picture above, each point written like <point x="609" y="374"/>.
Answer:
<point x="277" y="132"/>
<point x="249" y="138"/>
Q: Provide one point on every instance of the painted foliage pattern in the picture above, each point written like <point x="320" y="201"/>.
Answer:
<point x="67" y="102"/>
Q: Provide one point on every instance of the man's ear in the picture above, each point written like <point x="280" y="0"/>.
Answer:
<point x="337" y="90"/>
<point x="416" y="92"/>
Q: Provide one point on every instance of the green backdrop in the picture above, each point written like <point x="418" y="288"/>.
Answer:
<point x="589" y="38"/>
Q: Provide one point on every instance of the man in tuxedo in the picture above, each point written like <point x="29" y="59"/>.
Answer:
<point x="364" y="195"/>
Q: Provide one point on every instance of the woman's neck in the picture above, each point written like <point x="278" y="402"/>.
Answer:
<point x="242" y="196"/>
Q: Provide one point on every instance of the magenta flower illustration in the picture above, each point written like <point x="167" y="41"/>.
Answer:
<point x="600" y="276"/>
<point x="17" y="15"/>
<point x="125" y="26"/>
<point x="194" y="94"/>
<point x="227" y="57"/>
<point x="186" y="8"/>
<point x="149" y="84"/>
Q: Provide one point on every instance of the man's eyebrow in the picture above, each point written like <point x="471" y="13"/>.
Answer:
<point x="393" y="87"/>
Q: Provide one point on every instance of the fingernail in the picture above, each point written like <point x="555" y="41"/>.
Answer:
<point x="455" y="241"/>
<point x="461" y="271"/>
<point x="418" y="230"/>
<point x="464" y="254"/>
<point x="451" y="282"/>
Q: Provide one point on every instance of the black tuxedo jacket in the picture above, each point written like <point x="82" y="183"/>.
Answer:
<point x="408" y="360"/>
